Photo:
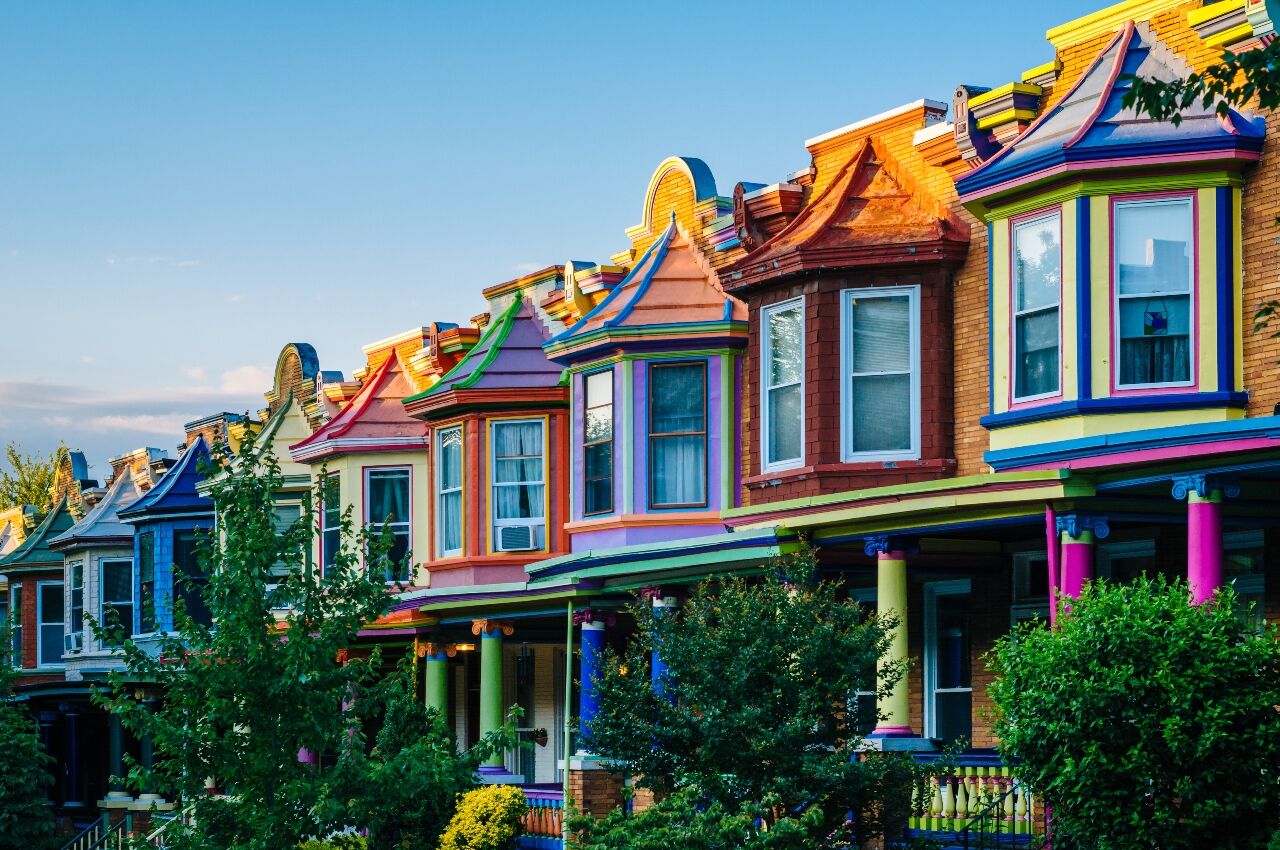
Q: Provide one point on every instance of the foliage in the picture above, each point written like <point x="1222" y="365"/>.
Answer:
<point x="1145" y="722"/>
<point x="240" y="701"/>
<point x="26" y="819"/>
<point x="405" y="790"/>
<point x="1235" y="80"/>
<point x="29" y="479"/>
<point x="335" y="842"/>
<point x="488" y="818"/>
<point x="753" y="710"/>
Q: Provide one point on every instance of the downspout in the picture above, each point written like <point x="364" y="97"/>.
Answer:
<point x="568" y="725"/>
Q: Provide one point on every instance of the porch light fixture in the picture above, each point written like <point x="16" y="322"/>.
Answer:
<point x="465" y="647"/>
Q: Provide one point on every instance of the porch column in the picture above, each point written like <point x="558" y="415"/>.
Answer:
<point x="1204" y="495"/>
<point x="146" y="753"/>
<point x="1078" y="534"/>
<point x="662" y="606"/>
<point x="71" y="716"/>
<point x="437" y="676"/>
<point x="115" y="759"/>
<point x="891" y="598"/>
<point x="592" y="623"/>
<point x="492" y="711"/>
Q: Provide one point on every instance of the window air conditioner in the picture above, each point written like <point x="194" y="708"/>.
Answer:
<point x="518" y="538"/>
<point x="73" y="642"/>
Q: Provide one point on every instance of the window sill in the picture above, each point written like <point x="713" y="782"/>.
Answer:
<point x="867" y="468"/>
<point x="1138" y="403"/>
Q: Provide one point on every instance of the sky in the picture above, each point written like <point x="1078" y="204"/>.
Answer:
<point x="186" y="187"/>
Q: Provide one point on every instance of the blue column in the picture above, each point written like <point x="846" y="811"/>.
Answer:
<point x="588" y="702"/>
<point x="662" y="606"/>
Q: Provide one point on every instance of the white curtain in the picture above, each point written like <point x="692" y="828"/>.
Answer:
<point x="678" y="461"/>
<point x="518" y="491"/>
<point x="880" y="391"/>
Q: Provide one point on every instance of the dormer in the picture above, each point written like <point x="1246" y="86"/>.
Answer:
<point x="1115" y="272"/>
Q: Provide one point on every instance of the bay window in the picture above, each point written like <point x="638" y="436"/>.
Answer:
<point x="678" y="435"/>
<point x="881" y="370"/>
<point x="116" y="612"/>
<point x="597" y="443"/>
<point x="517" y="476"/>
<point x="1037" y="304"/>
<point x="782" y="387"/>
<point x="50" y="623"/>
<point x="1154" y="255"/>
<point x="449" y="492"/>
<point x="387" y="509"/>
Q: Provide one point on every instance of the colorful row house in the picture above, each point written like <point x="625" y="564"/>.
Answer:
<point x="978" y="352"/>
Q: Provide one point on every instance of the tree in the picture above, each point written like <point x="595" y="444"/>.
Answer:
<point x="753" y="713"/>
<point x="1145" y="722"/>
<point x="243" y="701"/>
<point x="405" y="791"/>
<point x="1235" y="80"/>
<point x="26" y="818"/>
<point x="29" y="479"/>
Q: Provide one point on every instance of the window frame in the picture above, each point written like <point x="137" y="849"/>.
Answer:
<point x="1193" y="296"/>
<point x="331" y="480"/>
<point x="15" y="647"/>
<point x="104" y="603"/>
<point x="932" y="590"/>
<point x="146" y="537"/>
<point x="613" y="436"/>
<point x="491" y="520"/>
<point x="40" y="623"/>
<point x="1030" y="218"/>
<point x="70" y="619"/>
<point x="766" y="408"/>
<point x="377" y="524"/>
<point x="651" y="369"/>
<point x="847" y="299"/>
<point x="437" y="449"/>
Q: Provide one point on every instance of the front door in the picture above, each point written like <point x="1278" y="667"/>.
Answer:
<point x="947" y="661"/>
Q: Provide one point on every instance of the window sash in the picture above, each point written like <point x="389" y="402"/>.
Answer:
<point x="15" y="625"/>
<point x="853" y="378"/>
<point x="49" y="631"/>
<point x="597" y="488"/>
<point x="330" y="520"/>
<point x="122" y="605"/>
<point x="77" y="597"/>
<point x="146" y="583"/>
<point x="1036" y="310"/>
<point x="397" y="485"/>
<point x="694" y="488"/>
<point x="775" y="389"/>
<point x="449" y="477"/>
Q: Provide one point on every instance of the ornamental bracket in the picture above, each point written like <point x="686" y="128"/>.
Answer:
<point x="1076" y="524"/>
<point x="492" y="628"/>
<point x="877" y="544"/>
<point x="1202" y="484"/>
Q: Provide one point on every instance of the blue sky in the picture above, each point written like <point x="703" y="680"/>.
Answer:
<point x="188" y="186"/>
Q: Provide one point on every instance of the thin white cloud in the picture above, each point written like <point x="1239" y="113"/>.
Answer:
<point x="195" y="373"/>
<point x="245" y="380"/>
<point x="150" y="260"/>
<point x="169" y="424"/>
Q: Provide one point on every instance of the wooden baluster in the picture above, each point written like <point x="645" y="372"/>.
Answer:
<point x="1022" y="813"/>
<point x="939" y="804"/>
<point x="917" y="808"/>
<point x="948" y="804"/>
<point x="1008" y="814"/>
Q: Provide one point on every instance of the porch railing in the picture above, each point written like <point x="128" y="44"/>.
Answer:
<point x="978" y="805"/>
<point x="101" y="835"/>
<point x="543" y="819"/>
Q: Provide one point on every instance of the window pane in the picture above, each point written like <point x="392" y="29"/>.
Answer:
<point x="518" y="501"/>
<point x="880" y="331"/>
<point x="117" y="581"/>
<point x="598" y="460"/>
<point x="451" y="522"/>
<point x="1155" y="340"/>
<point x="599" y="424"/>
<point x="388" y="496"/>
<point x="1153" y="247"/>
<point x="679" y="470"/>
<point x="1037" y="354"/>
<point x="51" y="623"/>
<point x="77" y="597"/>
<point x="599" y="386"/>
<point x="450" y="463"/>
<point x="785" y="423"/>
<point x="785" y="345"/>
<point x="1037" y="264"/>
<point x="881" y="413"/>
<point x="953" y="641"/>
<point x="678" y="398"/>
<point x="517" y="440"/>
<point x="332" y="501"/>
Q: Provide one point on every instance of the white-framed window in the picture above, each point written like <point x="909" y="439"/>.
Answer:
<point x="880" y="394"/>
<point x="678" y="435"/>
<point x="50" y="623"/>
<point x="948" y="674"/>
<point x="597" y="443"/>
<point x="116" y="590"/>
<point x="1037" y="307"/>
<point x="388" y="506"/>
<point x="146" y="583"/>
<point x="285" y="514"/>
<point x="1030" y="587"/>
<point x="330" y="520"/>
<point x="14" y="619"/>
<point x="782" y="384"/>
<point x="1153" y="246"/>
<point x="448" y="467"/>
<point x="75" y="622"/>
<point x="517" y="485"/>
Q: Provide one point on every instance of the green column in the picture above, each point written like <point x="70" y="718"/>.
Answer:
<point x="491" y="708"/>
<point x="891" y="597"/>
<point x="115" y="758"/>
<point x="437" y="679"/>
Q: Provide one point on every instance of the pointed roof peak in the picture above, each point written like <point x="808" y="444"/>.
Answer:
<point x="35" y="551"/>
<point x="103" y="521"/>
<point x="176" y="491"/>
<point x="375" y="419"/>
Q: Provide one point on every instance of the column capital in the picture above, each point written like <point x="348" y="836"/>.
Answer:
<point x="492" y="628"/>
<point x="1203" y="484"/>
<point x="431" y="648"/>
<point x="589" y="616"/>
<point x="1073" y="525"/>
<point x="883" y="544"/>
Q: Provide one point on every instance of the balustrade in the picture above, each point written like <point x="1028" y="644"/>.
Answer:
<point x="980" y="798"/>
<point x="543" y="820"/>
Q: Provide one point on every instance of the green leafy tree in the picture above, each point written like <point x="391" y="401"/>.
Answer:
<point x="405" y="790"/>
<point x="1145" y="722"/>
<point x="26" y="818"/>
<point x="29" y="478"/>
<point x="755" y="709"/>
<point x="1238" y="79"/>
<point x="242" y="699"/>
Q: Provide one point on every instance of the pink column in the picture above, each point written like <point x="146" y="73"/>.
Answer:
<point x="1204" y="545"/>
<point x="1077" y="562"/>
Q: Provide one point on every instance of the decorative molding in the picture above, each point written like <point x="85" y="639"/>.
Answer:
<point x="882" y="544"/>
<point x="1043" y="75"/>
<point x="585" y="616"/>
<point x="433" y="648"/>
<point x="492" y="628"/>
<point x="1076" y="524"/>
<point x="1107" y="21"/>
<point x="1202" y="484"/>
<point x="653" y="591"/>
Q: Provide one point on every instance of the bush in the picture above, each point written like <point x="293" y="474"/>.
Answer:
<point x="335" y="842"/>
<point x="1145" y="722"/>
<point x="488" y="818"/>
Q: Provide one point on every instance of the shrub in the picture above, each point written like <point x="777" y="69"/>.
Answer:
<point x="488" y="818"/>
<point x="335" y="842"/>
<point x="1145" y="722"/>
